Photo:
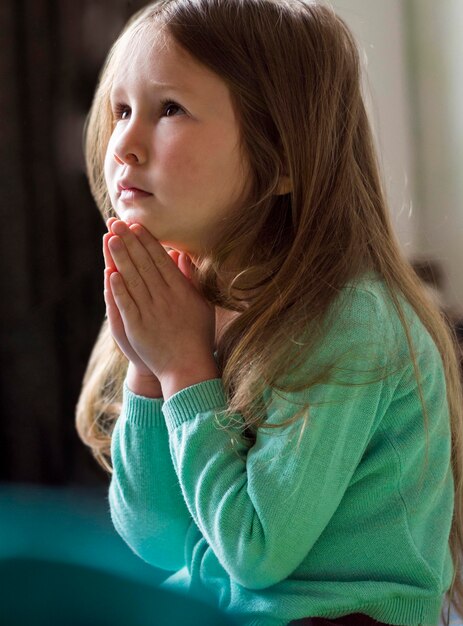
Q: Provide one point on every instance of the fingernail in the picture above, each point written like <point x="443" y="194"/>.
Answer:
<point x="115" y="244"/>
<point x="119" y="228"/>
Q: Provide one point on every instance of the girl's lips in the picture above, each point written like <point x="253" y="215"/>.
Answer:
<point x="133" y="193"/>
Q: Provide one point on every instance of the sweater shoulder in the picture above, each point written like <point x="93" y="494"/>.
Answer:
<point x="361" y="317"/>
<point x="369" y="298"/>
<point x="364" y="324"/>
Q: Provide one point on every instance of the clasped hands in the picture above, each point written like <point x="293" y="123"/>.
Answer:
<point x="156" y="315"/>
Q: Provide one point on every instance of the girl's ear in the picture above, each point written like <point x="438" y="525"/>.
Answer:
<point x="284" y="186"/>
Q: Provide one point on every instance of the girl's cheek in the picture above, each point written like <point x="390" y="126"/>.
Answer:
<point x="109" y="166"/>
<point x="109" y="173"/>
<point x="107" y="163"/>
<point x="192" y="169"/>
<point x="183" y="156"/>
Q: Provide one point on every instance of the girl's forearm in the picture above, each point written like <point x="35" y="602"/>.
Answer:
<point x="146" y="502"/>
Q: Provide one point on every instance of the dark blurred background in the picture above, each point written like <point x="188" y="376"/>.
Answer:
<point x="52" y="302"/>
<point x="56" y="534"/>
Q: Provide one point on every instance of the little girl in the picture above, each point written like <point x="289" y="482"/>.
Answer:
<point x="277" y="398"/>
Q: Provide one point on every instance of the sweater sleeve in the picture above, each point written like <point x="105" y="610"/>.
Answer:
<point x="262" y="509"/>
<point x="146" y="504"/>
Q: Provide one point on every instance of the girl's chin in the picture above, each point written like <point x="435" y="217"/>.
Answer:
<point x="164" y="241"/>
<point x="130" y="215"/>
<point x="131" y="218"/>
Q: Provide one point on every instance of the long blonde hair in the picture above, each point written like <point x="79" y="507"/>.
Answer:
<point x="294" y="73"/>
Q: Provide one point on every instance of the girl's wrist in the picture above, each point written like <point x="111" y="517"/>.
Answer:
<point x="182" y="378"/>
<point x="146" y="385"/>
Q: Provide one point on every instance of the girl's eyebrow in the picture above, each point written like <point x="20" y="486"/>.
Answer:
<point x="174" y="87"/>
<point x="155" y="85"/>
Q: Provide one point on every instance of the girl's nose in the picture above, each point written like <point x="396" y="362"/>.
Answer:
<point x="129" y="150"/>
<point x="130" y="158"/>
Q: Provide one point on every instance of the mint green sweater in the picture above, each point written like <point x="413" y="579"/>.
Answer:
<point x="349" y="521"/>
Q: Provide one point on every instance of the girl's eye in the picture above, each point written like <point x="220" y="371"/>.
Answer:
<point x="169" y="108"/>
<point x="119" y="112"/>
<point x="169" y="105"/>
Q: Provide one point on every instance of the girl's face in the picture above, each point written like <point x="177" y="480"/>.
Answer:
<point x="175" y="137"/>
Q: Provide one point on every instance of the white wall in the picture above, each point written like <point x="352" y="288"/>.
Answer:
<point x="413" y="51"/>
<point x="379" y="28"/>
<point x="437" y="29"/>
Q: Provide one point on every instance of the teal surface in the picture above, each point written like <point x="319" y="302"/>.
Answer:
<point x="67" y="525"/>
<point x="61" y="562"/>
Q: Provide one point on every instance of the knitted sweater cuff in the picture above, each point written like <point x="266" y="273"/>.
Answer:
<point x="186" y="404"/>
<point x="141" y="411"/>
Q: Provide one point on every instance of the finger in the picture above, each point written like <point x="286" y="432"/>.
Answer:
<point x="128" y="309"/>
<point x="110" y="222"/>
<point x="189" y="269"/>
<point x="109" y="298"/>
<point x="115" y="321"/>
<point x="107" y="254"/>
<point x="107" y="281"/>
<point x="109" y="261"/>
<point x="133" y="280"/>
<point x="113" y="315"/>
<point x="184" y="265"/>
<point x="163" y="261"/>
<point x="174" y="254"/>
<point x="111" y="309"/>
<point x="140" y="257"/>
